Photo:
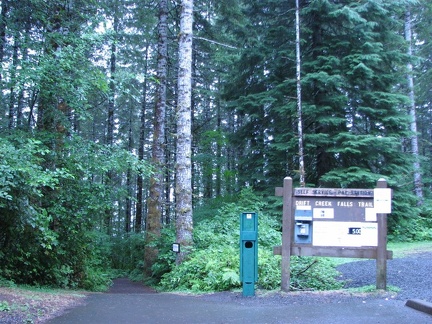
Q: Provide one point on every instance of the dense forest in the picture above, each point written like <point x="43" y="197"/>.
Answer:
<point x="128" y="125"/>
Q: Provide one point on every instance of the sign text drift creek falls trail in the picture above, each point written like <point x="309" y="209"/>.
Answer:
<point x="334" y="222"/>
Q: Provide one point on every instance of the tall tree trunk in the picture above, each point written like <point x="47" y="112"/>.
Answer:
<point x="168" y="183"/>
<point x="156" y="199"/>
<point x="14" y="67"/>
<point x="128" y="213"/>
<point x="219" y="148"/>
<point x="418" y="185"/>
<point x="3" y="17"/>
<point x="299" y="97"/>
<point x="112" y="89"/>
<point x="20" y="100"/>
<point x="230" y="177"/>
<point x="184" y="221"/>
<point x="142" y="135"/>
<point x="170" y="160"/>
<point x="111" y="111"/>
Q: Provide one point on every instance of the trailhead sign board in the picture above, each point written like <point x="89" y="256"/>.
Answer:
<point x="340" y="217"/>
<point x="333" y="222"/>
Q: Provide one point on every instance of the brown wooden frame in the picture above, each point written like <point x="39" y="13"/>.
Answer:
<point x="288" y="248"/>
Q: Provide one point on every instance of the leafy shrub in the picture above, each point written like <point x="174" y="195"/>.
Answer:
<point x="48" y="214"/>
<point x="212" y="269"/>
<point x="126" y="252"/>
<point x="166" y="258"/>
<point x="4" y="306"/>
<point x="314" y="273"/>
<point x="414" y="224"/>
<point x="6" y="283"/>
<point x="269" y="269"/>
<point x="96" y="280"/>
<point x="214" y="263"/>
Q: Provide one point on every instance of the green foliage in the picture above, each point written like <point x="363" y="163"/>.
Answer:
<point x="57" y="189"/>
<point x="166" y="258"/>
<point x="48" y="215"/>
<point x="126" y="251"/>
<point x="405" y="249"/>
<point x="269" y="268"/>
<point x="4" y="306"/>
<point x="214" y="263"/>
<point x="6" y="283"/>
<point x="372" y="289"/>
<point x="314" y="273"/>
<point x="128" y="259"/>
<point x="413" y="223"/>
<point x="70" y="73"/>
<point x="212" y="269"/>
<point x="22" y="172"/>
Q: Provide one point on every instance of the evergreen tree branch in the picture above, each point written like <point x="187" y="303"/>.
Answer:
<point x="215" y="42"/>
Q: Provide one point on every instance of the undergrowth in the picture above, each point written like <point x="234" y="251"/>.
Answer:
<point x="213" y="265"/>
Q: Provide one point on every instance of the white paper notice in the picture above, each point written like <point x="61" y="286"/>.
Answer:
<point x="323" y="213"/>
<point x="382" y="200"/>
<point x="354" y="234"/>
<point x="370" y="215"/>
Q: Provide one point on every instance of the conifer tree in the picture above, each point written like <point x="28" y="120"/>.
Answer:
<point x="412" y="110"/>
<point x="184" y="221"/>
<point x="422" y="69"/>
<point x="156" y="197"/>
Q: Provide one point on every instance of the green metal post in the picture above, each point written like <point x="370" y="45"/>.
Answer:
<point x="248" y="252"/>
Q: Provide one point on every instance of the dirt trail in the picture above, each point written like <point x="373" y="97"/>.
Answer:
<point x="126" y="286"/>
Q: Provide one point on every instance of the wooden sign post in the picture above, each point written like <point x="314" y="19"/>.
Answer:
<point x="335" y="222"/>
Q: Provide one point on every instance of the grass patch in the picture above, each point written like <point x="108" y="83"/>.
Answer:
<point x="400" y="250"/>
<point x="372" y="289"/>
<point x="4" y="306"/>
<point x="403" y="249"/>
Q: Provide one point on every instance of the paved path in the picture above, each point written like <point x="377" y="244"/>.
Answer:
<point x="132" y="303"/>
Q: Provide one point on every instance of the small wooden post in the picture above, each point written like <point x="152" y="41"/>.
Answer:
<point x="381" y="260"/>
<point x="287" y="232"/>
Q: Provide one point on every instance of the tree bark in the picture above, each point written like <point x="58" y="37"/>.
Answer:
<point x="299" y="97"/>
<point x="112" y="88"/>
<point x="14" y="68"/>
<point x="156" y="199"/>
<point x="129" y="187"/>
<point x="184" y="222"/>
<point x="142" y="135"/>
<point x="219" y="167"/>
<point x="3" y="18"/>
<point x="418" y="186"/>
<point x="111" y="111"/>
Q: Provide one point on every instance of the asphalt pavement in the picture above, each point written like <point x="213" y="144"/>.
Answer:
<point x="150" y="307"/>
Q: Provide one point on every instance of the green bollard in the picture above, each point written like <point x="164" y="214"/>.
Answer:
<point x="248" y="252"/>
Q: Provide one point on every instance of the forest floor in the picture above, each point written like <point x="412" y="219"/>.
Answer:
<point x="21" y="305"/>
